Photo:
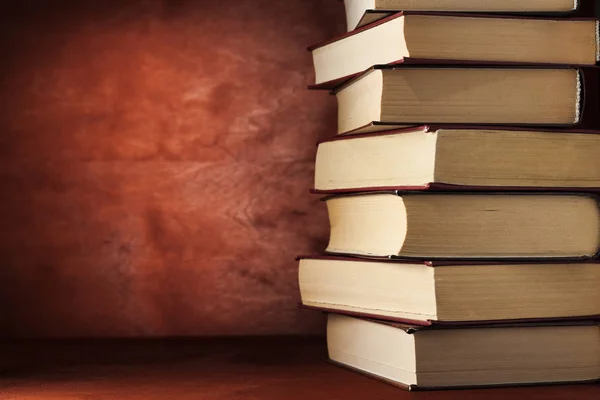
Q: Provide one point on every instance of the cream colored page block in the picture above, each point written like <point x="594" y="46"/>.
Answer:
<point x="360" y="103"/>
<point x="359" y="52"/>
<point x="405" y="290"/>
<point x="355" y="10"/>
<point x="375" y="348"/>
<point x="358" y="226"/>
<point x="405" y="159"/>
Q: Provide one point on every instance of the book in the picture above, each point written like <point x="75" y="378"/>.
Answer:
<point x="442" y="292"/>
<point x="431" y="225"/>
<point x="415" y="357"/>
<point x="391" y="97"/>
<point x="458" y="157"/>
<point x="481" y="38"/>
<point x="363" y="12"/>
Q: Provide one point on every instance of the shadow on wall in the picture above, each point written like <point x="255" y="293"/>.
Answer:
<point x="155" y="158"/>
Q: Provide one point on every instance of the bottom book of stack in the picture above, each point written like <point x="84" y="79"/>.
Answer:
<point x="436" y="357"/>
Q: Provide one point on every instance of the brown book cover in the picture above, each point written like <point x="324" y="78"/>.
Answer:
<point x="432" y="186"/>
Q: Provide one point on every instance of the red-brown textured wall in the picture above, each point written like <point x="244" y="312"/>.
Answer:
<point x="155" y="158"/>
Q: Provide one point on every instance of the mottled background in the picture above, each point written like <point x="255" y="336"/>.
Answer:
<point x="155" y="158"/>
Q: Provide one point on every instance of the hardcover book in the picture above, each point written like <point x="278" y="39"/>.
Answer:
<point x="450" y="293"/>
<point x="398" y="96"/>
<point x="459" y="157"/>
<point x="415" y="357"/>
<point x="430" y="225"/>
<point x="473" y="38"/>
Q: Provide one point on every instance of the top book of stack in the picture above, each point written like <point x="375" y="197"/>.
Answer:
<point x="364" y="12"/>
<point x="450" y="38"/>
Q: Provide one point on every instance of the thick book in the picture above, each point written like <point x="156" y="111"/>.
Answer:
<point x="363" y="12"/>
<point x="435" y="36"/>
<point x="451" y="293"/>
<point x="469" y="225"/>
<point x="392" y="97"/>
<point x="414" y="357"/>
<point x="459" y="158"/>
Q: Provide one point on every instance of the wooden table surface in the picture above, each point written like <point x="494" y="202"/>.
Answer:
<point x="248" y="369"/>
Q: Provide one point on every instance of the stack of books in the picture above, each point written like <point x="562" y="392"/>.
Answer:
<point x="461" y="191"/>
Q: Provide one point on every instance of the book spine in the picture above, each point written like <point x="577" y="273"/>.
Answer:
<point x="590" y="118"/>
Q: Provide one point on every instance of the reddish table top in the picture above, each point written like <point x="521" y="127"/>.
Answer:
<point x="248" y="369"/>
